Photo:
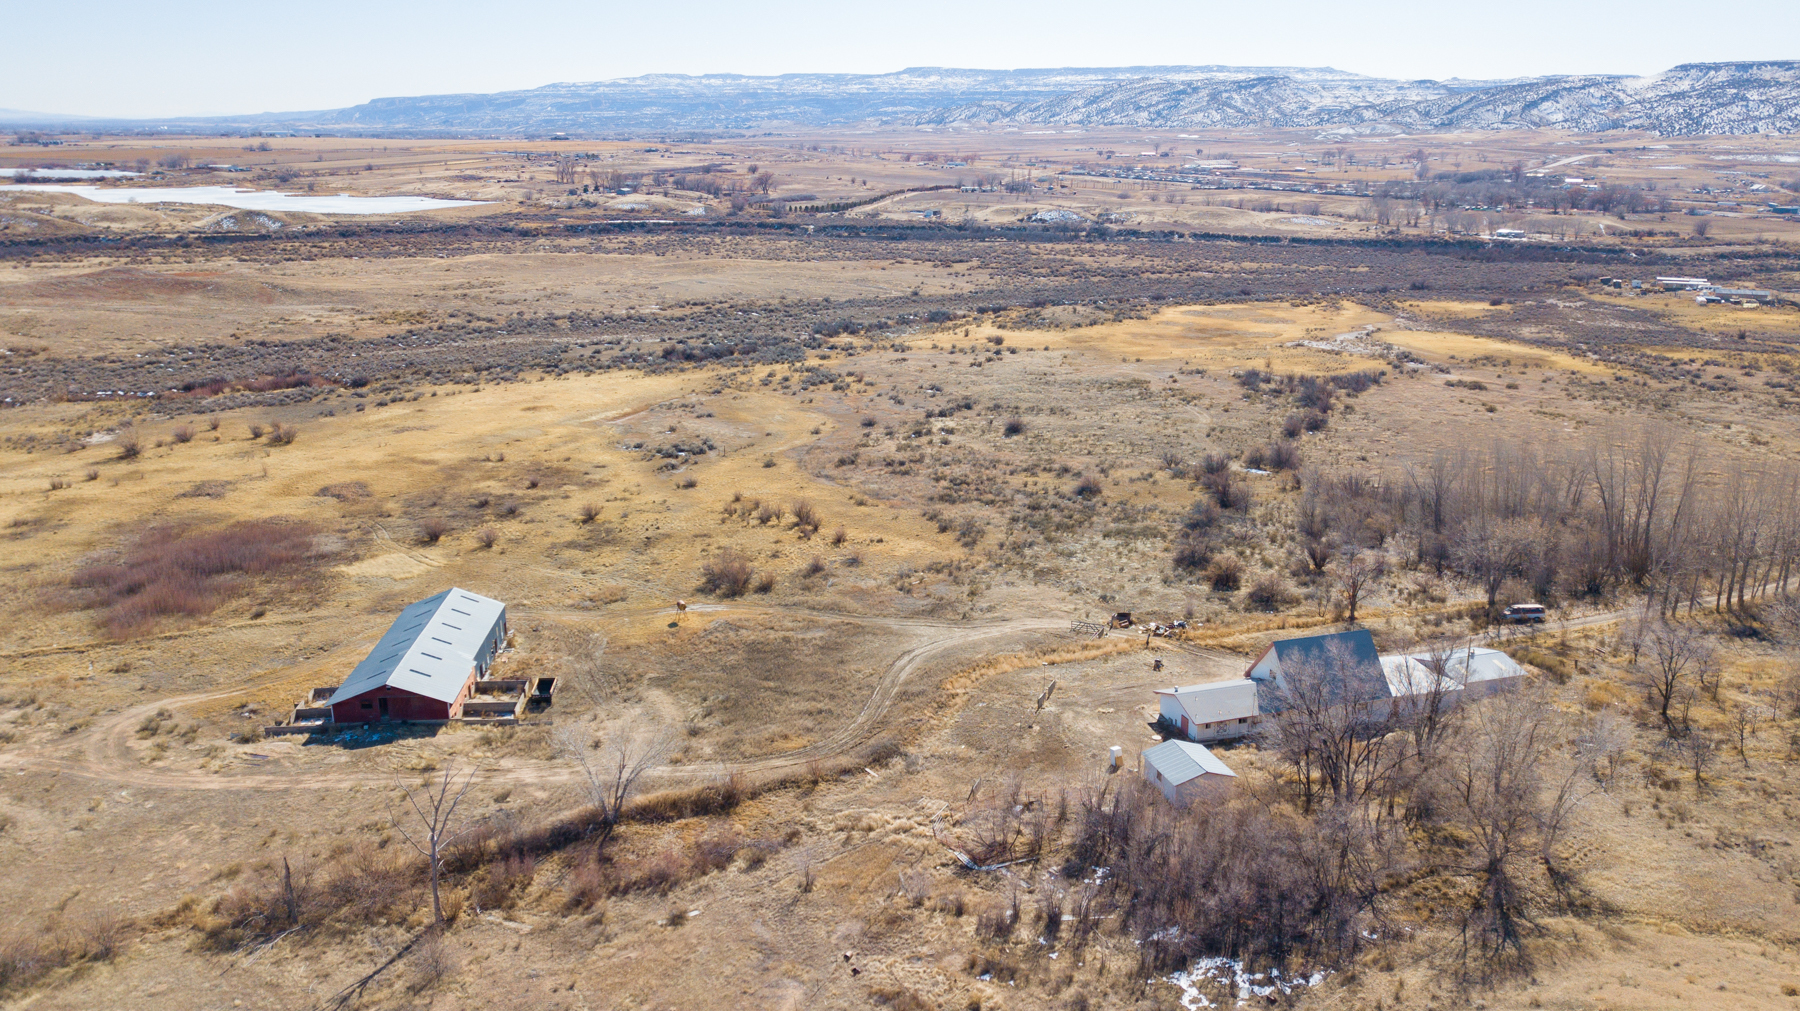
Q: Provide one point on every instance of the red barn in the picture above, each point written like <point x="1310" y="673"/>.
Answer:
<point x="425" y="666"/>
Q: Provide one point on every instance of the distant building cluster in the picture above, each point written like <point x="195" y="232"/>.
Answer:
<point x="1705" y="291"/>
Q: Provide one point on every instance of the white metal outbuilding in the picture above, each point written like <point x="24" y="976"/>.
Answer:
<point x="1472" y="669"/>
<point x="1217" y="711"/>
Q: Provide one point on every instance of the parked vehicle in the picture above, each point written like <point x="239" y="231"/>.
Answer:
<point x="1524" y="614"/>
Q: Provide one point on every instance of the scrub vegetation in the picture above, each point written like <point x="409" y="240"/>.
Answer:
<point x="812" y="500"/>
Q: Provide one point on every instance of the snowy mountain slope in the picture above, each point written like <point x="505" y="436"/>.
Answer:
<point x="1716" y="98"/>
<point x="1689" y="99"/>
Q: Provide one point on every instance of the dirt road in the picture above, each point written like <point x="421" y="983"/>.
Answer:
<point x="102" y="752"/>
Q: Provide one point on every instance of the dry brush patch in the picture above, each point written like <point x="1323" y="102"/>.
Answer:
<point x="28" y="956"/>
<point x="175" y="571"/>
<point x="727" y="574"/>
<point x="360" y="887"/>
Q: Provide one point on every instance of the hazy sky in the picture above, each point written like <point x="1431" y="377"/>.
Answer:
<point x="207" y="57"/>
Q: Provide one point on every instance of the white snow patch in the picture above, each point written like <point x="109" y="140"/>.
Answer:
<point x="252" y="200"/>
<point x="1228" y="974"/>
<point x="1355" y="342"/>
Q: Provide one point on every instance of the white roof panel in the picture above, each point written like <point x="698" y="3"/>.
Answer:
<point x="1408" y="674"/>
<point x="429" y="649"/>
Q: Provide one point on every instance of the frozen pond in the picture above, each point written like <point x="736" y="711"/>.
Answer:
<point x="252" y="200"/>
<point x="67" y="173"/>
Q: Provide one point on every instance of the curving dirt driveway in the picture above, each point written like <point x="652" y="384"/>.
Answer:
<point x="103" y="751"/>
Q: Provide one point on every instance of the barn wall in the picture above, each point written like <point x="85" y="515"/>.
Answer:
<point x="402" y="705"/>
<point x="1482" y="689"/>
<point x="496" y="637"/>
<point x="1207" y="786"/>
<point x="1266" y="668"/>
<point x="1162" y="784"/>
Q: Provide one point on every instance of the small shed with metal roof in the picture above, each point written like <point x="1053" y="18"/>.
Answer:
<point x="1185" y="771"/>
<point x="425" y="666"/>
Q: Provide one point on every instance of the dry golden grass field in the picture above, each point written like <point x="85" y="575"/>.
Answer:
<point x="884" y="459"/>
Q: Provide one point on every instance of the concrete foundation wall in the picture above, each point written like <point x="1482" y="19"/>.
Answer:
<point x="498" y="707"/>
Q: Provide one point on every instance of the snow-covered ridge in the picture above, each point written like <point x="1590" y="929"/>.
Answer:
<point x="1699" y="98"/>
<point x="1689" y="99"/>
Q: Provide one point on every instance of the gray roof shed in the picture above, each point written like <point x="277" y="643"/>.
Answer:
<point x="1180" y="761"/>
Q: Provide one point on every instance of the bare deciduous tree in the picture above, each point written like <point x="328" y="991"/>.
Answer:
<point x="1696" y="750"/>
<point x="1231" y="875"/>
<point x="1744" y="719"/>
<point x="1494" y="790"/>
<point x="434" y="804"/>
<point x="1434" y="679"/>
<point x="1353" y="577"/>
<point x="1601" y="744"/>
<point x="1783" y="618"/>
<point x="1672" y="652"/>
<point x="611" y="776"/>
<point x="1492" y="549"/>
<point x="1331" y="719"/>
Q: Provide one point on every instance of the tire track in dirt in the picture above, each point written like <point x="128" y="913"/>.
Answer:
<point x="383" y="537"/>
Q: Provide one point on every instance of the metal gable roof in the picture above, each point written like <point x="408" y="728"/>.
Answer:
<point x="1180" y="761"/>
<point x="429" y="649"/>
<point x="1359" y="676"/>
<point x="1215" y="701"/>
<point x="1312" y="648"/>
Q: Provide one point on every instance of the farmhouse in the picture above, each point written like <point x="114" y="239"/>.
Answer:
<point x="1357" y="675"/>
<point x="1351" y="653"/>
<point x="1219" y="711"/>
<point x="425" y="666"/>
<point x="1185" y="771"/>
